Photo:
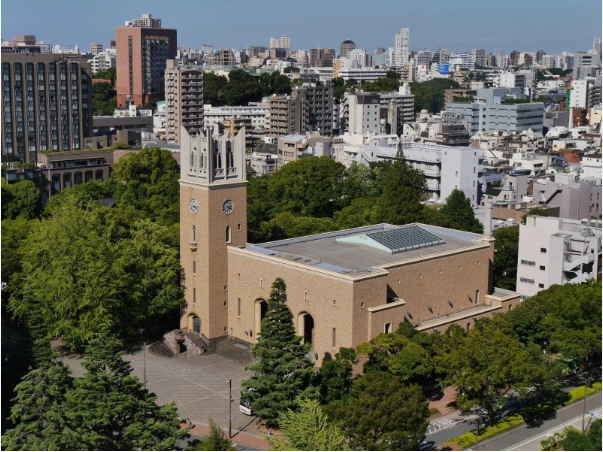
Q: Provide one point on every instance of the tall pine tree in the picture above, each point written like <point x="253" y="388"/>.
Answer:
<point x="460" y="213"/>
<point x="283" y="372"/>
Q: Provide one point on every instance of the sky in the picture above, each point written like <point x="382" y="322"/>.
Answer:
<point x="457" y="25"/>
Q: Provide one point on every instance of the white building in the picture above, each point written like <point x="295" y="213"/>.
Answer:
<point x="591" y="166"/>
<point x="257" y="115"/>
<point x="446" y="168"/>
<point x="102" y="61"/>
<point x="461" y="61"/>
<point x="581" y="95"/>
<point x="362" y="75"/>
<point x="557" y="251"/>
<point x="401" y="47"/>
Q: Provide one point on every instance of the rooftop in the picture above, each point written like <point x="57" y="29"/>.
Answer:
<point x="346" y="252"/>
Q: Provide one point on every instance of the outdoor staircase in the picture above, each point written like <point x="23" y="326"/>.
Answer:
<point x="234" y="350"/>
<point x="160" y="349"/>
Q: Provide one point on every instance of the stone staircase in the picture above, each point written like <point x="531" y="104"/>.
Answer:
<point x="160" y="349"/>
<point x="234" y="350"/>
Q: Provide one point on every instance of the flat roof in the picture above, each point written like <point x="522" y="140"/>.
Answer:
<point x="324" y="251"/>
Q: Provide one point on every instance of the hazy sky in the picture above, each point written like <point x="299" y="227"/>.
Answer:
<point x="524" y="25"/>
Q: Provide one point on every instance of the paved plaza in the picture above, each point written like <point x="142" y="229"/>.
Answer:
<point x="198" y="385"/>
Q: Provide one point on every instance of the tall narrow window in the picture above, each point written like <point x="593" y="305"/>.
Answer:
<point x="194" y="233"/>
<point x="239" y="307"/>
<point x="477" y="297"/>
<point x="194" y="295"/>
<point x="194" y="267"/>
<point x="334" y="337"/>
<point x="228" y="234"/>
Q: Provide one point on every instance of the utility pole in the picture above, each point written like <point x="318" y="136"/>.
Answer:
<point x="230" y="409"/>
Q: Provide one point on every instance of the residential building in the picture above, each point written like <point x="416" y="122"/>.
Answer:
<point x="47" y="102"/>
<point x="557" y="251"/>
<point x="362" y="75"/>
<point x="497" y="109"/>
<point x="183" y="100"/>
<point x="320" y="57"/>
<point x="221" y="58"/>
<point x="285" y="43"/>
<point x="401" y="47"/>
<point x="317" y="107"/>
<point x="346" y="47"/>
<point x="102" y="61"/>
<point x="142" y="52"/>
<point x="479" y="57"/>
<point x="273" y="43"/>
<point x="96" y="48"/>
<point x="343" y="288"/>
<point x="446" y="128"/>
<point x="587" y="65"/>
<point x="286" y="115"/>
<point x="583" y="93"/>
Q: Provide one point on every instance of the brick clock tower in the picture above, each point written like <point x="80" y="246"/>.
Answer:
<point x="213" y="216"/>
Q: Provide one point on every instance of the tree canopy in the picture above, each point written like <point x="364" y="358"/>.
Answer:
<point x="460" y="213"/>
<point x="382" y="414"/>
<point x="107" y="409"/>
<point x="148" y="180"/>
<point x="283" y="372"/>
<point x="83" y="271"/>
<point x="429" y="95"/>
<point x="506" y="250"/>
<point x="22" y="200"/>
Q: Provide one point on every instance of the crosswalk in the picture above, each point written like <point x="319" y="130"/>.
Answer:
<point x="442" y="424"/>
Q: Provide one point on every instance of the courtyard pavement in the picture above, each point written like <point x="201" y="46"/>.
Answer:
<point x="198" y="386"/>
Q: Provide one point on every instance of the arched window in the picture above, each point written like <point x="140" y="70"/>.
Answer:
<point x="228" y="234"/>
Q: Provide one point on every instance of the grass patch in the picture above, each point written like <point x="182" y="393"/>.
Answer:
<point x="507" y="423"/>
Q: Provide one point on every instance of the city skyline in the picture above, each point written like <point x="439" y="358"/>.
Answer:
<point x="458" y="26"/>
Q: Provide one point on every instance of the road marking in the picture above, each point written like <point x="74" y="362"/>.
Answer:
<point x="550" y="431"/>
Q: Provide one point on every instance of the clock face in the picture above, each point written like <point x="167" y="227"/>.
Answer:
<point x="194" y="206"/>
<point x="227" y="207"/>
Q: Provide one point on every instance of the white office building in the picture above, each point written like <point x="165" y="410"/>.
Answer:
<point x="557" y="251"/>
<point x="257" y="115"/>
<point x="446" y="168"/>
<point x="102" y="61"/>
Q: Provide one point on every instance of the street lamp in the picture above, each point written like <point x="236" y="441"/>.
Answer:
<point x="229" y="409"/>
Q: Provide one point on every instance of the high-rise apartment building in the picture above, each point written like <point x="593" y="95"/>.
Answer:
<point x="142" y="53"/>
<point x="479" y="57"/>
<point x="274" y="43"/>
<point x="498" y="54"/>
<point x="285" y="43"/>
<point x="401" y="49"/>
<point x="320" y="57"/>
<point x="317" y="107"/>
<point x="285" y="115"/>
<point x="597" y="45"/>
<point x="183" y="101"/>
<point x="95" y="48"/>
<point x="146" y="21"/>
<point x="47" y="100"/>
<point x="346" y="47"/>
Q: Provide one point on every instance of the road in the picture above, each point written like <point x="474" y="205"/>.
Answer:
<point x="526" y="438"/>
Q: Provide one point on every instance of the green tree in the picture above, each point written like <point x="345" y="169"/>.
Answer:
<point x="241" y="89"/>
<point x="110" y="409"/>
<point x="38" y="412"/>
<point x="213" y="88"/>
<point x="336" y="375"/>
<point x="506" y="250"/>
<point x="285" y="225"/>
<point x="383" y="414"/>
<point x="148" y="180"/>
<point x="14" y="238"/>
<point x="283" y="370"/>
<point x="216" y="440"/>
<point x="84" y="273"/>
<point x="458" y="209"/>
<point x="308" y="429"/>
<point x="22" y="199"/>
<point x="104" y="99"/>
<point x="487" y="365"/>
<point x="403" y="191"/>
<point x="309" y="187"/>
<point x="429" y="95"/>
<point x="274" y="83"/>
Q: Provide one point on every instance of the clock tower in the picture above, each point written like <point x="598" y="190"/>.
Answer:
<point x="213" y="216"/>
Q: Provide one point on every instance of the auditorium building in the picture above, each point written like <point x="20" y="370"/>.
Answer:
<point x="343" y="287"/>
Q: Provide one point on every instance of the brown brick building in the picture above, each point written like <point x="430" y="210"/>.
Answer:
<point x="343" y="287"/>
<point x="141" y="61"/>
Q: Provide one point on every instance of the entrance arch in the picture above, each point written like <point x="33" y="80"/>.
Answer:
<point x="194" y="324"/>
<point x="305" y="329"/>
<point x="260" y="310"/>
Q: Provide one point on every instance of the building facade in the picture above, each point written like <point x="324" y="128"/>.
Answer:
<point x="401" y="47"/>
<point x="183" y="101"/>
<point x="343" y="288"/>
<point x="142" y="53"/>
<point x="557" y="251"/>
<point x="47" y="102"/>
<point x="285" y="115"/>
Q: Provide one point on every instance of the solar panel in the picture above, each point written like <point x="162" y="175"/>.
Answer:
<point x="405" y="238"/>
